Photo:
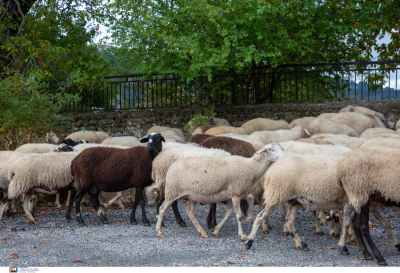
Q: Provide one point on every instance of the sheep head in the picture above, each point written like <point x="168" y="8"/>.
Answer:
<point x="273" y="151"/>
<point x="153" y="142"/>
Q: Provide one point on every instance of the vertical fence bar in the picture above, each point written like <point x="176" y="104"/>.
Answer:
<point x="295" y="83"/>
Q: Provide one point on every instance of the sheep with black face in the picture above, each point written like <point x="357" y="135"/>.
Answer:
<point x="112" y="170"/>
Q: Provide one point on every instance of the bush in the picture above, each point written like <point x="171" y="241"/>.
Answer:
<point x="28" y="111"/>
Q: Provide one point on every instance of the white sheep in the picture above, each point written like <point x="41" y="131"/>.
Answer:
<point x="307" y="148"/>
<point x="129" y="141"/>
<point x="38" y="148"/>
<point x="365" y="111"/>
<point x="267" y="137"/>
<point x="303" y="122"/>
<point x="264" y="124"/>
<point x="308" y="180"/>
<point x="372" y="132"/>
<point x="7" y="158"/>
<point x="161" y="129"/>
<point x="398" y="125"/>
<point x="333" y="139"/>
<point x="90" y="136"/>
<point x="220" y="130"/>
<point x="328" y="126"/>
<point x="382" y="142"/>
<point x="42" y="173"/>
<point x="220" y="122"/>
<point x="327" y="115"/>
<point x="231" y="178"/>
<point x="396" y="136"/>
<point x="82" y="147"/>
<point x="358" y="122"/>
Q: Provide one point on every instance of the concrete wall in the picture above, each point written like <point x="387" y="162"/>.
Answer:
<point x="137" y="122"/>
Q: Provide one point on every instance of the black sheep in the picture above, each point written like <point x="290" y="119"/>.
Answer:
<point x="112" y="170"/>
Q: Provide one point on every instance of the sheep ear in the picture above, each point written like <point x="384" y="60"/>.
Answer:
<point x="307" y="132"/>
<point x="144" y="140"/>
<point x="163" y="139"/>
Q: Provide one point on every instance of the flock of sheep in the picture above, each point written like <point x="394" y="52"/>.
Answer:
<point x="336" y="163"/>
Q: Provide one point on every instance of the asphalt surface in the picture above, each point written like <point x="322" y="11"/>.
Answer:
<point x="57" y="242"/>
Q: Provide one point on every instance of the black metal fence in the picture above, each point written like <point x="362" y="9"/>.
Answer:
<point x="349" y="81"/>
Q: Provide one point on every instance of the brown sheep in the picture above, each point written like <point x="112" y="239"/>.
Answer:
<point x="111" y="170"/>
<point x="199" y="138"/>
<point x="233" y="146"/>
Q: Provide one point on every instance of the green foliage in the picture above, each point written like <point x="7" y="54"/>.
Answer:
<point x="27" y="112"/>
<point x="200" y="120"/>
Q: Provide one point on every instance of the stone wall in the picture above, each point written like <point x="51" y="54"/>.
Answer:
<point x="137" y="122"/>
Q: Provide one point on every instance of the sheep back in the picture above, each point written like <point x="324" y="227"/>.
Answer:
<point x="219" y="130"/>
<point x="268" y="137"/>
<point x="199" y="138"/>
<point x="327" y="115"/>
<point x="372" y="132"/>
<point x="82" y="147"/>
<point x="264" y="124"/>
<point x="358" y="122"/>
<point x="39" y="148"/>
<point x="232" y="146"/>
<point x="202" y="129"/>
<point x="332" y="139"/>
<point x="90" y="136"/>
<point x="329" y="126"/>
<point x="308" y="148"/>
<point x="303" y="122"/>
<point x="7" y="158"/>
<point x="257" y="145"/>
<point x="382" y="142"/>
<point x="364" y="111"/>
<point x="364" y="171"/>
<point x="110" y="166"/>
<point x="129" y="141"/>
<point x="51" y="170"/>
<point x="220" y="122"/>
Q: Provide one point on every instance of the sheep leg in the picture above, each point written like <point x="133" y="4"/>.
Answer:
<point x="58" y="201"/>
<point x="96" y="205"/>
<point x="291" y="218"/>
<point x="259" y="219"/>
<point x="178" y="216"/>
<point x="14" y="207"/>
<point x="25" y="204"/>
<point x="211" y="219"/>
<point x="236" y="206"/>
<point x="226" y="217"/>
<point x="131" y="194"/>
<point x="374" y="209"/>
<point x="283" y="210"/>
<point x="348" y="209"/>
<point x="109" y="203"/>
<point x="318" y="230"/>
<point x="160" y="216"/>
<point x="139" y="200"/>
<point x="190" y="213"/>
<point x="357" y="221"/>
<point x="2" y="209"/>
<point x="71" y="197"/>
<point x="322" y="219"/>
<point x="33" y="202"/>
<point x="365" y="231"/>
<point x="78" y="200"/>
<point x="159" y="202"/>
<point x="266" y="226"/>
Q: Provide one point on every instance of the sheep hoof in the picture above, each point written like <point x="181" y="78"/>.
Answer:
<point x="133" y="222"/>
<point x="182" y="224"/>
<point x="68" y="217"/>
<point x="368" y="258"/>
<point x="285" y="233"/>
<point x="304" y="247"/>
<point x="249" y="244"/>
<point x="266" y="231"/>
<point x="243" y="238"/>
<point x="352" y="242"/>
<point x="383" y="263"/>
<point x="323" y="224"/>
<point x="8" y="213"/>
<point x="216" y="235"/>
<point x="146" y="224"/>
<point x="344" y="251"/>
<point x="320" y="233"/>
<point x="160" y="235"/>
<point x="204" y="235"/>
<point x="398" y="247"/>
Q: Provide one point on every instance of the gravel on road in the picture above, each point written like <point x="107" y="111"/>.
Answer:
<point x="57" y="242"/>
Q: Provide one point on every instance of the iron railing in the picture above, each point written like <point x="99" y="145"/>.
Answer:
<point x="347" y="81"/>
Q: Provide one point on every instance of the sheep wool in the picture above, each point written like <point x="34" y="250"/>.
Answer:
<point x="170" y="134"/>
<point x="161" y="129"/>
<point x="129" y="141"/>
<point x="267" y="137"/>
<point x="256" y="144"/>
<point x="365" y="171"/>
<point x="164" y="160"/>
<point x="264" y="124"/>
<point x="398" y="125"/>
<point x="51" y="170"/>
<point x="90" y="136"/>
<point x="372" y="132"/>
<point x="220" y="122"/>
<point x="382" y="142"/>
<point x="303" y="122"/>
<point x="7" y="158"/>
<point x="358" y="122"/>
<point x="332" y="139"/>
<point x="327" y="115"/>
<point x="307" y="148"/>
<point x="320" y="125"/>
<point x="198" y="138"/>
<point x="233" y="146"/>
<point x="219" y="130"/>
<point x="202" y="129"/>
<point x="82" y="147"/>
<point x="39" y="148"/>
<point x="363" y="110"/>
